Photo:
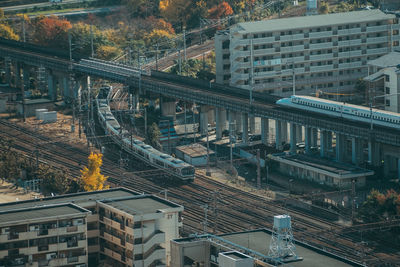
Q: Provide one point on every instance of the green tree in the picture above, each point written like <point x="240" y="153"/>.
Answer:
<point x="82" y="34"/>
<point x="153" y="136"/>
<point x="379" y="206"/>
<point x="53" y="180"/>
<point x="361" y="86"/>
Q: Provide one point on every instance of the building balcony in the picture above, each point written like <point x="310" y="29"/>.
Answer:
<point x="129" y="246"/>
<point x="72" y="245"/>
<point x="93" y="218"/>
<point x="378" y="28"/>
<point x="158" y="254"/>
<point x="262" y="52"/>
<point x="3" y="254"/>
<point x="68" y="261"/>
<point x="320" y="34"/>
<point x="321" y="68"/>
<point x="375" y="40"/>
<point x="396" y="37"/>
<point x="113" y="239"/>
<point x="112" y="254"/>
<point x="239" y="42"/>
<point x="350" y="65"/>
<point x="112" y="223"/>
<point x="349" y="42"/>
<point x="294" y="48"/>
<point x="237" y="77"/>
<point x="240" y="53"/>
<point x="93" y="233"/>
<point x="240" y="65"/>
<point x="293" y="37"/>
<point x="93" y="249"/>
<point x="265" y="40"/>
<point x="377" y="51"/>
<point x="147" y="231"/>
<point x="349" y="31"/>
<point x="66" y="230"/>
<point x="321" y="45"/>
<point x="290" y="71"/>
<point x="156" y="239"/>
<point x="350" y="54"/>
<point x="321" y="57"/>
<point x="265" y="74"/>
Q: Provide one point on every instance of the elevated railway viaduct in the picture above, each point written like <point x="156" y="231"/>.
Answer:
<point x="217" y="102"/>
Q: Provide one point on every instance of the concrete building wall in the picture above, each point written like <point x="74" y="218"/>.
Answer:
<point x="327" y="58"/>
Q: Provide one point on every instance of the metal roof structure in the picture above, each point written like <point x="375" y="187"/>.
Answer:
<point x="315" y="21"/>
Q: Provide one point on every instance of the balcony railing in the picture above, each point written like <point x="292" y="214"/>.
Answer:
<point x="321" y="45"/>
<point x="320" y="34"/>
<point x="377" y="28"/>
<point x="156" y="238"/>
<point x="374" y="40"/>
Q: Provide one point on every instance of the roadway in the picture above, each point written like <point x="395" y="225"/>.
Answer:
<point x="43" y="4"/>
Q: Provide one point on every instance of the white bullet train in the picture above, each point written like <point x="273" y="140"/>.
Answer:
<point x="342" y="110"/>
<point x="173" y="166"/>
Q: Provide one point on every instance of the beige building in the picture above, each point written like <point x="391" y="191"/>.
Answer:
<point x="322" y="52"/>
<point x="116" y="227"/>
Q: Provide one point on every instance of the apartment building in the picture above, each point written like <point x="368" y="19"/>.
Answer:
<point x="322" y="52"/>
<point x="115" y="227"/>
<point x="384" y="82"/>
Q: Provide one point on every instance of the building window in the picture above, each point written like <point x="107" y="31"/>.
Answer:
<point x="387" y="102"/>
<point x="387" y="78"/>
<point x="387" y="89"/>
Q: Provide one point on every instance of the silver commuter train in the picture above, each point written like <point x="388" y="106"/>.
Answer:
<point x="173" y="166"/>
<point x="342" y="110"/>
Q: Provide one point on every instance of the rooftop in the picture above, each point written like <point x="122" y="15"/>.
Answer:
<point x="195" y="150"/>
<point x="315" y="21"/>
<point x="31" y="214"/>
<point x="74" y="198"/>
<point x="338" y="168"/>
<point x="259" y="240"/>
<point x="389" y="60"/>
<point x="142" y="204"/>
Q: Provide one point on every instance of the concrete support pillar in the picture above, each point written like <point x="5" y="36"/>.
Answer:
<point x="252" y="124"/>
<point x="340" y="147"/>
<point x="264" y="130"/>
<point x="386" y="165"/>
<point x="136" y="103"/>
<point x="299" y="133"/>
<point x="374" y="153"/>
<point x="293" y="138"/>
<point x="323" y="143"/>
<point x="220" y="119"/>
<point x="238" y="121"/>
<point x="398" y="168"/>
<point x="203" y="120"/>
<point x="7" y="69"/>
<point x="307" y="139"/>
<point x="17" y="77"/>
<point x="278" y="134"/>
<point x="25" y="73"/>
<point x="356" y="151"/>
<point x="66" y="89"/>
<point x="52" y="86"/>
<point x="329" y="140"/>
<point x="245" y="128"/>
<point x="284" y="131"/>
<point x="314" y="137"/>
<point x="168" y="108"/>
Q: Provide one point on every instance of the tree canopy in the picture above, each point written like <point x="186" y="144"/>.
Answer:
<point x="91" y="178"/>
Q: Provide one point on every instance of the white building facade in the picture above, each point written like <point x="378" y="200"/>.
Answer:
<point x="321" y="52"/>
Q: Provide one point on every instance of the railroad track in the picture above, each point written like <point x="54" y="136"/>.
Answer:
<point x="237" y="210"/>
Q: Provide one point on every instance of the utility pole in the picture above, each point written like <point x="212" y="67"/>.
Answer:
<point x="231" y="126"/>
<point x="23" y="29"/>
<point x="184" y="44"/>
<point x="208" y="172"/>
<point x="194" y="126"/>
<point x="157" y="57"/>
<point x="180" y="62"/>
<point x="145" y="120"/>
<point x="201" y="35"/>
<point x="91" y="40"/>
<point x="252" y="71"/>
<point x="215" y="211"/>
<point x="184" y="106"/>
<point x="353" y="198"/>
<point x="258" y="170"/>
<point x="294" y="80"/>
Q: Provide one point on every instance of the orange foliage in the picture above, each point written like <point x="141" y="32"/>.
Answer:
<point x="91" y="177"/>
<point x="51" y="31"/>
<point x="221" y="10"/>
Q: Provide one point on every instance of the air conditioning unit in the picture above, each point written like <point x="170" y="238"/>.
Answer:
<point x="81" y="265"/>
<point x="5" y="230"/>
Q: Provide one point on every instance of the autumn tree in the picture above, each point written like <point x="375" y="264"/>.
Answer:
<point x="220" y="11"/>
<point x="107" y="52"/>
<point x="175" y="11"/>
<point x="380" y="206"/>
<point x="51" y="31"/>
<point x="82" y="35"/>
<point x="91" y="178"/>
<point x="324" y="8"/>
<point x="54" y="180"/>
